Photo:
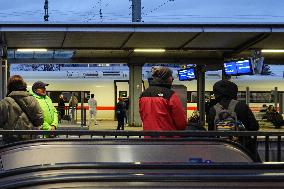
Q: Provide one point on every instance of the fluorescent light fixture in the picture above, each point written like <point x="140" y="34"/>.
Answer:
<point x="32" y="50"/>
<point x="272" y="50"/>
<point x="150" y="50"/>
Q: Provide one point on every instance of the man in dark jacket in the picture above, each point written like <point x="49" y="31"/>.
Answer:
<point x="224" y="92"/>
<point x="159" y="106"/>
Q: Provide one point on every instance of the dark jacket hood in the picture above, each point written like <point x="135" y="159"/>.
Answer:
<point x="225" y="90"/>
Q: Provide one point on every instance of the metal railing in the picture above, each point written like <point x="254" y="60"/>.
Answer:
<point x="270" y="143"/>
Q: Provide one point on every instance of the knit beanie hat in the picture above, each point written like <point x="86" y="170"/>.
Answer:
<point x="161" y="72"/>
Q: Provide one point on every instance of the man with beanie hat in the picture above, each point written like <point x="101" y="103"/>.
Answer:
<point x="19" y="110"/>
<point x="159" y="107"/>
<point x="49" y="111"/>
<point x="225" y="91"/>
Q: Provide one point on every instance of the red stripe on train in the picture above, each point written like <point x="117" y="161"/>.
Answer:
<point x="191" y="108"/>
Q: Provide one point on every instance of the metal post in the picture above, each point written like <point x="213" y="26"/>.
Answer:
<point x="201" y="93"/>
<point x="275" y="98"/>
<point x="83" y="115"/>
<point x="136" y="10"/>
<point x="247" y="96"/>
<point x="281" y="103"/>
<point x="45" y="17"/>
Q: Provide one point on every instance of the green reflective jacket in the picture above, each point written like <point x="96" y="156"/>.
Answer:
<point x="50" y="115"/>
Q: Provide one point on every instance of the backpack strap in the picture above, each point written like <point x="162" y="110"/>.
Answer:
<point x="232" y="106"/>
<point x="218" y="108"/>
<point x="23" y="109"/>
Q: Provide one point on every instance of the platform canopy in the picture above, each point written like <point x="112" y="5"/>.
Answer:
<point x="108" y="42"/>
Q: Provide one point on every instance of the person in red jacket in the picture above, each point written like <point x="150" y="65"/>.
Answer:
<point x="159" y="107"/>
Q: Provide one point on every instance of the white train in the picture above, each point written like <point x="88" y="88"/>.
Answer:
<point x="102" y="80"/>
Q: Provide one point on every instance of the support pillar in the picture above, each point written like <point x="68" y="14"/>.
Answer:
<point x="201" y="93"/>
<point x="135" y="89"/>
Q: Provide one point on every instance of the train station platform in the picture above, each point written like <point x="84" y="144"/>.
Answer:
<point x="111" y="125"/>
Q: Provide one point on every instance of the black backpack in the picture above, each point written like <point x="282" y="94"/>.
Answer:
<point x="226" y="119"/>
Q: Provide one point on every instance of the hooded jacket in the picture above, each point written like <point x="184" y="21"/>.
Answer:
<point x="224" y="92"/>
<point x="13" y="115"/>
<point x="49" y="112"/>
<point x="160" y="108"/>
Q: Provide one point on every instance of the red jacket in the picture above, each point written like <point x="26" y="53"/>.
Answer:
<point x="161" y="110"/>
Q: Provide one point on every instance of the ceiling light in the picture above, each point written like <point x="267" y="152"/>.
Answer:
<point x="272" y="50"/>
<point x="32" y="50"/>
<point x="149" y="50"/>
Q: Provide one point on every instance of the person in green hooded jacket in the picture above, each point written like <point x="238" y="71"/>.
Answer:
<point x="49" y="111"/>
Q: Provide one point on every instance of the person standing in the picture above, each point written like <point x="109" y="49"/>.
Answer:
<point x="126" y="101"/>
<point x="19" y="110"/>
<point x="49" y="111"/>
<point x="61" y="107"/>
<point x="73" y="103"/>
<point x="120" y="113"/>
<point x="226" y="91"/>
<point x="92" y="102"/>
<point x="159" y="107"/>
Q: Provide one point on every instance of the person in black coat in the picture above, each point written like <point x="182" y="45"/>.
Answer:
<point x="61" y="107"/>
<point x="224" y="91"/>
<point x="120" y="110"/>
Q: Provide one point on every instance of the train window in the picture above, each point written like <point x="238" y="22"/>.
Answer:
<point x="261" y="97"/>
<point x="54" y="95"/>
<point x="241" y="96"/>
<point x="192" y="96"/>
<point x="122" y="94"/>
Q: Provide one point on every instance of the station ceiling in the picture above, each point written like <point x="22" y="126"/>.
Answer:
<point x="114" y="43"/>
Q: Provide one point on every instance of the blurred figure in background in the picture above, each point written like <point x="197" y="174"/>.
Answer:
<point x="73" y="103"/>
<point x="274" y="117"/>
<point x="126" y="101"/>
<point x="61" y="107"/>
<point x="120" y="113"/>
<point x="92" y="102"/>
<point x="19" y="110"/>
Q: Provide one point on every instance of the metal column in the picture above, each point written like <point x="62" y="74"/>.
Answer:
<point x="135" y="89"/>
<point x="275" y="98"/>
<point x="201" y="92"/>
<point x="281" y="101"/>
<point x="247" y="96"/>
<point x="83" y="110"/>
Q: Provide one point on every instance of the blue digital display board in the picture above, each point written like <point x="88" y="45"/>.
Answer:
<point x="186" y="74"/>
<point x="239" y="67"/>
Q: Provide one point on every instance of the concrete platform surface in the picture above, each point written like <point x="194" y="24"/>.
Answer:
<point x="111" y="125"/>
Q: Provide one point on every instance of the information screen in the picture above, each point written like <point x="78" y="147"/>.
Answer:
<point x="187" y="74"/>
<point x="239" y="67"/>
